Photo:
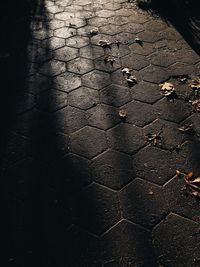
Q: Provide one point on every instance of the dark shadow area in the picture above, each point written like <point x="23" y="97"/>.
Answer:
<point x="184" y="16"/>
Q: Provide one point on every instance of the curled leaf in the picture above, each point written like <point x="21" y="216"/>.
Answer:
<point x="196" y="105"/>
<point x="195" y="84"/>
<point x="94" y="32"/>
<point x="167" y="89"/>
<point x="109" y="59"/>
<point x="126" y="71"/>
<point x="137" y="40"/>
<point x="105" y="44"/>
<point x="193" y="184"/>
<point x="132" y="80"/>
<point x="123" y="114"/>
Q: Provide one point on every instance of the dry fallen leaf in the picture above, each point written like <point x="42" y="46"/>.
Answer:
<point x="94" y="32"/>
<point x="137" y="40"/>
<point x="195" y="84"/>
<point x="193" y="184"/>
<point x="167" y="89"/>
<point x="105" y="44"/>
<point x="186" y="129"/>
<point x="154" y="139"/>
<point x="109" y="59"/>
<point x="126" y="71"/>
<point x="196" y="105"/>
<point x="123" y="114"/>
<point x="132" y="80"/>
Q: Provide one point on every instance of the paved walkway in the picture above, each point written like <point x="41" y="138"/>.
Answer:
<point x="84" y="186"/>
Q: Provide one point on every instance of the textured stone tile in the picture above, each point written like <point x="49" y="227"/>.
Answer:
<point x="173" y="111"/>
<point x="146" y="92"/>
<point x="113" y="169"/>
<point x="91" y="52"/>
<point x="135" y="62"/>
<point x="163" y="58"/>
<point x="101" y="64"/>
<point x="132" y="28"/>
<point x="172" y="244"/>
<point x="98" y="209"/>
<point x="126" y="138"/>
<point x="64" y="16"/>
<point x="103" y="116"/>
<point x="64" y="32"/>
<point x="96" y="79"/>
<point x="52" y="68"/>
<point x="67" y="82"/>
<point x="154" y="164"/>
<point x="154" y="74"/>
<point x="51" y="100"/>
<point x="139" y="113"/>
<point x="80" y="65"/>
<point x="143" y="202"/>
<point x="88" y="142"/>
<point x="155" y="25"/>
<point x="110" y="29"/>
<point x="115" y="95"/>
<point x="123" y="242"/>
<point x="53" y="43"/>
<point x="84" y="98"/>
<point x="66" y="53"/>
<point x="77" y="41"/>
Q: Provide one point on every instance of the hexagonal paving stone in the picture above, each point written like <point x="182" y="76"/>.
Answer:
<point x="77" y="41"/>
<point x="179" y="200"/>
<point x="75" y="241"/>
<point x="51" y="100"/>
<point x="170" y="135"/>
<point x="194" y="120"/>
<point x="115" y="95"/>
<point x="54" y="9"/>
<point x="135" y="62"/>
<point x="76" y="23"/>
<point x="111" y="5"/>
<point x="69" y="119"/>
<point x="120" y="51"/>
<point x="105" y="13"/>
<point x="42" y="34"/>
<point x="132" y="28"/>
<point x="113" y="169"/>
<point x="80" y="65"/>
<point x="149" y="36"/>
<point x="78" y="173"/>
<point x="96" y="79"/>
<point x="84" y="98"/>
<point x="88" y="142"/>
<point x="91" y="52"/>
<point x="64" y="16"/>
<point x="179" y="251"/>
<point x="25" y="102"/>
<point x="53" y="43"/>
<point x="118" y="20"/>
<point x="52" y="68"/>
<point x="126" y="138"/>
<point x="154" y="164"/>
<point x="188" y="157"/>
<point x="65" y="32"/>
<point x="126" y="38"/>
<point x="99" y="209"/>
<point x="139" y="113"/>
<point x="66" y="53"/>
<point x="173" y="111"/>
<point x="146" y="92"/>
<point x="97" y="21"/>
<point x="56" y="24"/>
<point x="145" y="49"/>
<point x="154" y="74"/>
<point x="96" y="38"/>
<point x="67" y="82"/>
<point x="187" y="56"/>
<point x="180" y="68"/>
<point x="163" y="58"/>
<point x="101" y="64"/>
<point x="110" y="29"/>
<point x="143" y="202"/>
<point x="85" y="31"/>
<point x="155" y="25"/>
<point x="170" y="34"/>
<point x="103" y="116"/>
<point x="123" y="242"/>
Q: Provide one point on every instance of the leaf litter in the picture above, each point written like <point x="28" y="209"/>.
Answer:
<point x="192" y="184"/>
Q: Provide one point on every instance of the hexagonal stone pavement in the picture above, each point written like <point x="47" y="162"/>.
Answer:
<point x="91" y="52"/>
<point x="103" y="116"/>
<point x="80" y="65"/>
<point x="66" y="53"/>
<point x="69" y="119"/>
<point x="64" y="32"/>
<point x="179" y="200"/>
<point x="135" y="62"/>
<point x="154" y="74"/>
<point x="126" y="138"/>
<point x="88" y="142"/>
<point x="67" y="82"/>
<point x="77" y="41"/>
<point x="52" y="68"/>
<point x="173" y="111"/>
<point x="143" y="202"/>
<point x="154" y="164"/>
<point x="101" y="64"/>
<point x="115" y="95"/>
<point x="98" y="209"/>
<point x="84" y="98"/>
<point x="172" y="244"/>
<point x="171" y="136"/>
<point x="51" y="100"/>
<point x="146" y="92"/>
<point x="123" y="242"/>
<point x="96" y="79"/>
<point x="113" y="169"/>
<point x="139" y="113"/>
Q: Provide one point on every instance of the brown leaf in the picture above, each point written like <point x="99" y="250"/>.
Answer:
<point x="105" y="44"/>
<point x="123" y="114"/>
<point x="167" y="89"/>
<point x="193" y="185"/>
<point x="126" y="71"/>
<point x="196" y="105"/>
<point x="195" y="84"/>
